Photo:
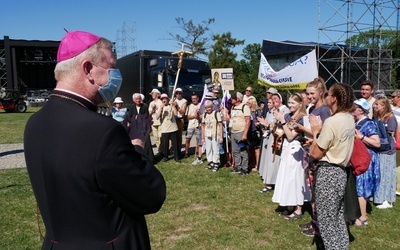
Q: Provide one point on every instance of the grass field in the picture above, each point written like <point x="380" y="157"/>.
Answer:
<point x="203" y="210"/>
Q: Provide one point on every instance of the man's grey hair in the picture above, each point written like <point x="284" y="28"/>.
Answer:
<point x="136" y="95"/>
<point x="239" y="96"/>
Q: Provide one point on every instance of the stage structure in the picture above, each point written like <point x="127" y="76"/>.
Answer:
<point x="376" y="25"/>
<point x="339" y="60"/>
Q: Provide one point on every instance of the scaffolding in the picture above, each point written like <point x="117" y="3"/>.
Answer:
<point x="376" y="26"/>
<point x="125" y="43"/>
<point x="3" y="71"/>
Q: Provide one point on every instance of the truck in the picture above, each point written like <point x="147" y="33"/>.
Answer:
<point x="145" y="70"/>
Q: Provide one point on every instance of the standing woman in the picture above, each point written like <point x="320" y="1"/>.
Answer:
<point x="267" y="122"/>
<point x="168" y="127"/>
<point x="290" y="188"/>
<point x="254" y="134"/>
<point x="271" y="164"/>
<point x="386" y="194"/>
<point x="366" y="183"/>
<point x="118" y="112"/>
<point x="332" y="145"/>
<point x="139" y="108"/>
<point x="315" y="92"/>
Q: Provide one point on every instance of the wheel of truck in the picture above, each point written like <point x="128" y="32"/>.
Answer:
<point x="21" y="108"/>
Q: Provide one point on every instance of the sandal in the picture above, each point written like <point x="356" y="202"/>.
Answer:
<point x="294" y="216"/>
<point x="362" y="223"/>
<point x="286" y="212"/>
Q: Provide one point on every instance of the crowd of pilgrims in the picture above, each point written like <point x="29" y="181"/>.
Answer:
<point x="293" y="145"/>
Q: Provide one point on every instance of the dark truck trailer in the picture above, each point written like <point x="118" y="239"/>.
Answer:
<point x="145" y="70"/>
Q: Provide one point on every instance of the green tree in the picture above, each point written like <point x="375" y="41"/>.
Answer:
<point x="195" y="37"/>
<point x="250" y="65"/>
<point x="246" y="70"/>
<point x="374" y="39"/>
<point x="221" y="54"/>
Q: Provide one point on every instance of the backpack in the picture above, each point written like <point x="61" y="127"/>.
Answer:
<point x="216" y="120"/>
<point x="383" y="135"/>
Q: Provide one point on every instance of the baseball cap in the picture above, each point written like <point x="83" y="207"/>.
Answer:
<point x="364" y="104"/>
<point x="118" y="100"/>
<point x="278" y="95"/>
<point x="272" y="91"/>
<point x="178" y="90"/>
<point x="74" y="43"/>
<point x="164" y="96"/>
<point x="155" y="91"/>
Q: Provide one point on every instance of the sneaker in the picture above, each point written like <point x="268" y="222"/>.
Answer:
<point x="197" y="161"/>
<point x="397" y="193"/>
<point x="186" y="156"/>
<point x="309" y="232"/>
<point x="385" y="205"/>
<point x="215" y="168"/>
<point x="165" y="159"/>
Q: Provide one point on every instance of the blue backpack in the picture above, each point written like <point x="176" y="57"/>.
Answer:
<point x="383" y="135"/>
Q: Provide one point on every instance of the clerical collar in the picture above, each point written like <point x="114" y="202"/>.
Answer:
<point x="74" y="97"/>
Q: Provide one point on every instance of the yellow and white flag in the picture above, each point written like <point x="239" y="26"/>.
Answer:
<point x="295" y="76"/>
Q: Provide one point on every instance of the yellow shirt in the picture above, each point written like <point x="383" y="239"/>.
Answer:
<point x="211" y="125"/>
<point x="168" y="121"/>
<point x="192" y="110"/>
<point x="337" y="141"/>
<point x="238" y="117"/>
<point x="154" y="107"/>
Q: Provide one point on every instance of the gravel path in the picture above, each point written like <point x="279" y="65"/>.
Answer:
<point x="12" y="155"/>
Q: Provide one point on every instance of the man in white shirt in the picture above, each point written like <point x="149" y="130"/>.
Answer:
<point x="180" y="104"/>
<point x="367" y="91"/>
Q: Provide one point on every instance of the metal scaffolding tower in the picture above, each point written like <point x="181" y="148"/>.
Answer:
<point x="3" y="71"/>
<point x="125" y="43"/>
<point x="339" y="20"/>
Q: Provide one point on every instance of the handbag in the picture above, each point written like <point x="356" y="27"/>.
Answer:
<point x="360" y="157"/>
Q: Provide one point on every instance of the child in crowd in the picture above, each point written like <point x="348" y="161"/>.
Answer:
<point x="212" y="135"/>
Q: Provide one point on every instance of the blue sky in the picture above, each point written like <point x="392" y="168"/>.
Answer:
<point x="251" y="21"/>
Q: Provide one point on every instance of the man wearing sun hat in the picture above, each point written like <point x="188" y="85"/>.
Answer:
<point x="93" y="185"/>
<point x="155" y="107"/>
<point x="180" y="104"/>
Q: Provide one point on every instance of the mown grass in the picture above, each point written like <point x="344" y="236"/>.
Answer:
<point x="12" y="125"/>
<point x="203" y="210"/>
